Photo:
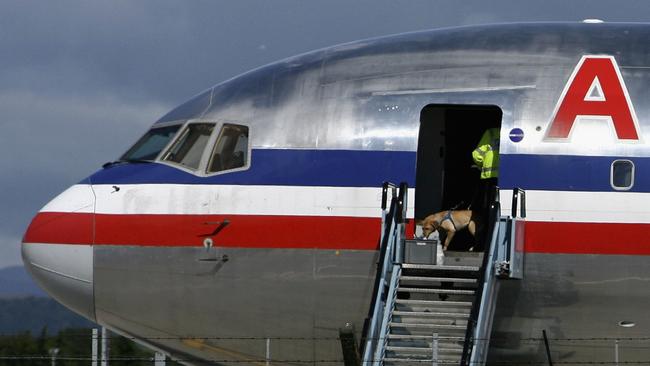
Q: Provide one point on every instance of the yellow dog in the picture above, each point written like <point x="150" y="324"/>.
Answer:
<point x="449" y="222"/>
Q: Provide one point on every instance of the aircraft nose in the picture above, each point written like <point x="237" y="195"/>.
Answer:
<point x="57" y="249"/>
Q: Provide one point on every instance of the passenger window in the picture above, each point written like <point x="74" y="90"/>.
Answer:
<point x="149" y="146"/>
<point x="622" y="175"/>
<point x="230" y="150"/>
<point x="188" y="149"/>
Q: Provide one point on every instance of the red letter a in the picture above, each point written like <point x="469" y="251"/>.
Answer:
<point x="596" y="89"/>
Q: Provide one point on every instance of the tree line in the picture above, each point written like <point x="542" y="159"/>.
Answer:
<point x="74" y="348"/>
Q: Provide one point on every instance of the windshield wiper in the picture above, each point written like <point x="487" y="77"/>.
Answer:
<point x="126" y="161"/>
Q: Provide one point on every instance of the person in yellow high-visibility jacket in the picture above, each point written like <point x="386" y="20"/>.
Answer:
<point x="486" y="154"/>
<point x="486" y="157"/>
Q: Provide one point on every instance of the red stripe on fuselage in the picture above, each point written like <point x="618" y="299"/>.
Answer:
<point x="60" y="227"/>
<point x="320" y="232"/>
<point x="587" y="238"/>
<point x="243" y="231"/>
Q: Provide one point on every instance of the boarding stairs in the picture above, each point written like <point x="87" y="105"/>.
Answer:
<point x="438" y="312"/>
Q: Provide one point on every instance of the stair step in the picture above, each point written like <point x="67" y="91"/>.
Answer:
<point x="426" y="337"/>
<point x="447" y="348"/>
<point x="431" y="314"/>
<point x="425" y="340"/>
<point x="428" y="326"/>
<point x="427" y="361"/>
<point x="427" y="350"/>
<point x="431" y="321"/>
<point x="434" y="302"/>
<point x="436" y="291"/>
<point x="463" y="258"/>
<point x="433" y="306"/>
<point x="437" y="279"/>
<point x="440" y="267"/>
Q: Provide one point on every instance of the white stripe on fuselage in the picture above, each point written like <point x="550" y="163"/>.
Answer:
<point x="180" y="199"/>
<point x="161" y="199"/>
<point x="78" y="199"/>
<point x="572" y="206"/>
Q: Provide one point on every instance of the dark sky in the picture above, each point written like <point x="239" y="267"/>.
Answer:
<point x="81" y="80"/>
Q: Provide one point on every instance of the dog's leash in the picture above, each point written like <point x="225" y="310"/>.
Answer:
<point x="457" y="206"/>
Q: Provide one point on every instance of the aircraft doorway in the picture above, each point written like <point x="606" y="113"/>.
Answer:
<point x="445" y="176"/>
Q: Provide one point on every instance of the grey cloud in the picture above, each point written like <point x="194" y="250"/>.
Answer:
<point x="9" y="250"/>
<point x="49" y="143"/>
<point x="168" y="50"/>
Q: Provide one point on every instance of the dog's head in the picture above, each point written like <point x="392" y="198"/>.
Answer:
<point x="429" y="225"/>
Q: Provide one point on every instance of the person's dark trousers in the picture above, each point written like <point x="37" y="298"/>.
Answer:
<point x="485" y="195"/>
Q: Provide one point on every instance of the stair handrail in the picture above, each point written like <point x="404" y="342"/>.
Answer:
<point x="489" y="290"/>
<point x="388" y="253"/>
<point x="400" y="218"/>
<point x="382" y="340"/>
<point x="474" y="328"/>
<point x="518" y="201"/>
<point x="477" y="336"/>
<point x="386" y="188"/>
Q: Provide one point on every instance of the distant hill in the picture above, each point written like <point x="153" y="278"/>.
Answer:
<point x="32" y="314"/>
<point x="25" y="307"/>
<point x="16" y="282"/>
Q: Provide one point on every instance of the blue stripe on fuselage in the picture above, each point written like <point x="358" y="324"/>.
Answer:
<point x="568" y="172"/>
<point x="351" y="168"/>
<point x="335" y="168"/>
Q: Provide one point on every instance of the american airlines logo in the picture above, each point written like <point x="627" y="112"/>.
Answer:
<point x="596" y="92"/>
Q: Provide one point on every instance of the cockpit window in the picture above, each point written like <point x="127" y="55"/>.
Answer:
<point x="149" y="146"/>
<point x="230" y="150"/>
<point x="188" y="148"/>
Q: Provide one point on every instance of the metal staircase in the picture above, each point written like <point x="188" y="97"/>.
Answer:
<point x="424" y="325"/>
<point x="438" y="314"/>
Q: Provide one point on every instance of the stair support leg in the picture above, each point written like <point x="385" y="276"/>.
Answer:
<point x="434" y="349"/>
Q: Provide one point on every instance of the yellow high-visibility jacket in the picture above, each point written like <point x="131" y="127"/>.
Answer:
<point x="486" y="154"/>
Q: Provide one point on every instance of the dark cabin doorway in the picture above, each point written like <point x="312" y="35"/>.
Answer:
<point x="445" y="178"/>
